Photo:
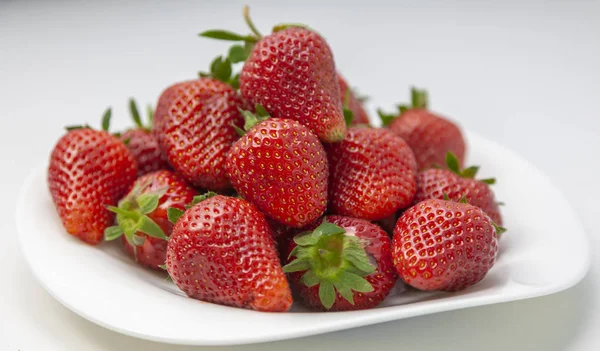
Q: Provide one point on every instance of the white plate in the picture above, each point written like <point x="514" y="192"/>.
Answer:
<point x="103" y="285"/>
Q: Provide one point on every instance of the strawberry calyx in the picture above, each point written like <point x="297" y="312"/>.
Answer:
<point x="284" y="26"/>
<point x="135" y="115"/>
<point x="174" y="213"/>
<point x="348" y="114"/>
<point x="251" y="119"/>
<point x="132" y="216"/>
<point x="470" y="172"/>
<point x="221" y="67"/>
<point x="419" y="100"/>
<point x="105" y="124"/>
<point x="333" y="260"/>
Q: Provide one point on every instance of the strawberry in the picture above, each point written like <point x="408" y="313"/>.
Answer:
<point x="221" y="250"/>
<point x="142" y="215"/>
<point x="372" y="174"/>
<point x="455" y="184"/>
<point x="444" y="245"/>
<point x="352" y="103"/>
<point x="88" y="170"/>
<point x="430" y="136"/>
<point x="194" y="125"/>
<point x="281" y="167"/>
<point x="340" y="264"/>
<point x="142" y="144"/>
<point x="290" y="72"/>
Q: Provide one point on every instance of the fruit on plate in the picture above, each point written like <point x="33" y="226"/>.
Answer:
<point x="194" y="125"/>
<point x="444" y="245"/>
<point x="372" y="174"/>
<point x="341" y="264"/>
<point x="280" y="166"/>
<point x="142" y="144"/>
<point x="142" y="220"/>
<point x="353" y="103"/>
<point x="320" y="200"/>
<point x="88" y="170"/>
<point x="456" y="184"/>
<point x="291" y="72"/>
<point x="221" y="250"/>
<point x="429" y="135"/>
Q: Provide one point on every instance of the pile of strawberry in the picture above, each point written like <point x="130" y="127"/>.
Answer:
<point x="298" y="189"/>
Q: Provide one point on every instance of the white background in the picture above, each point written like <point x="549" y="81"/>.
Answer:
<point x="523" y="73"/>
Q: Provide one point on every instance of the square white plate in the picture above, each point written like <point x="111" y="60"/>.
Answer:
<point x="103" y="285"/>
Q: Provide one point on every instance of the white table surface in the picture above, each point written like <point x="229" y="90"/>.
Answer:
<point x="523" y="73"/>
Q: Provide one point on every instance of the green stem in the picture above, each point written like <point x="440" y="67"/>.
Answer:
<point x="249" y="22"/>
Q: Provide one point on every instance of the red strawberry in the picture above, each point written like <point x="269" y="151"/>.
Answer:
<point x="456" y="184"/>
<point x="193" y="124"/>
<point x="290" y="72"/>
<point x="372" y="174"/>
<point x="222" y="251"/>
<point x="281" y="167"/>
<point x="429" y="135"/>
<point x="444" y="245"/>
<point x="88" y="170"/>
<point x="142" y="215"/>
<point x="142" y="144"/>
<point x="340" y="264"/>
<point x="351" y="102"/>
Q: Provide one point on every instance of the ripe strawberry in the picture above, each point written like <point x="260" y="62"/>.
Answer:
<point x="351" y="102"/>
<point x="222" y="251"/>
<point x="290" y="72"/>
<point x="444" y="245"/>
<point x="142" y="144"/>
<point x="193" y="124"/>
<point x="281" y="167"/>
<point x="429" y="135"/>
<point x="142" y="215"/>
<point x="88" y="170"/>
<point x="340" y="264"/>
<point x="455" y="184"/>
<point x="372" y="174"/>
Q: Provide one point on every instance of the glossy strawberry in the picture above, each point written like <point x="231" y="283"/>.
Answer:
<point x="351" y="102"/>
<point x="292" y="74"/>
<point x="142" y="215"/>
<point x="193" y="124"/>
<point x="429" y="135"/>
<point x="341" y="264"/>
<point x="88" y="170"/>
<point x="281" y="167"/>
<point x="222" y="251"/>
<point x="456" y="184"/>
<point x="372" y="174"/>
<point x="142" y="144"/>
<point x="444" y="245"/>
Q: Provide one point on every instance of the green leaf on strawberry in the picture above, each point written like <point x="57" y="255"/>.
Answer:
<point x="333" y="260"/>
<point x="419" y="99"/>
<point x="132" y="216"/>
<point x="226" y="35"/>
<point x="453" y="165"/>
<point x="174" y="214"/>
